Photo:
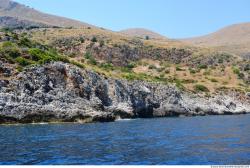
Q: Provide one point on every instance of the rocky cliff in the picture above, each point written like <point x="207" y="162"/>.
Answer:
<point x="16" y="23"/>
<point x="61" y="92"/>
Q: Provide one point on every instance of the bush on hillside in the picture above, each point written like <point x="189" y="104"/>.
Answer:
<point x="9" y="49"/>
<point x="94" y="39"/>
<point x="201" y="88"/>
<point x="202" y="66"/>
<point x="22" y="61"/>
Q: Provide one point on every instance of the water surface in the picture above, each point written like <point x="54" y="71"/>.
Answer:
<point x="188" y="140"/>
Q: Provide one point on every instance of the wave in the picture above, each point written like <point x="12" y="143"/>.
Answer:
<point x="124" y="119"/>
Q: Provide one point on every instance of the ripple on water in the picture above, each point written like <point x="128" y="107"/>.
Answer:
<point x="192" y="140"/>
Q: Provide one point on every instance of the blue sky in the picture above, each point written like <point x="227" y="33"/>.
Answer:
<point x="172" y="18"/>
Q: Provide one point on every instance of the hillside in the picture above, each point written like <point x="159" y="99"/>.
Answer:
<point x="142" y="33"/>
<point x="234" y="39"/>
<point x="38" y="83"/>
<point x="22" y="13"/>
<point x="118" y="55"/>
<point x="79" y="73"/>
<point x="121" y="57"/>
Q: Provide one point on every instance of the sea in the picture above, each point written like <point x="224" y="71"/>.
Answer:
<point x="202" y="140"/>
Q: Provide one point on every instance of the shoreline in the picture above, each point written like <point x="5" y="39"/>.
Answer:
<point x="116" y="120"/>
<point x="66" y="93"/>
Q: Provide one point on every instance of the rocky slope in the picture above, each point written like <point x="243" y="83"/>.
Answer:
<point x="21" y="12"/>
<point x="15" y="23"/>
<point x="60" y="92"/>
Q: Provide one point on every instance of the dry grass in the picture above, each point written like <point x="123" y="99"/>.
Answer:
<point x="49" y="35"/>
<point x="213" y="79"/>
<point x="234" y="39"/>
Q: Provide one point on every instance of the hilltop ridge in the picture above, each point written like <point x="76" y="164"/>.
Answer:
<point x="234" y="38"/>
<point x="142" y="33"/>
<point x="13" y="10"/>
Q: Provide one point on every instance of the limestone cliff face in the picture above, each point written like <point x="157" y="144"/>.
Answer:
<point x="63" y="92"/>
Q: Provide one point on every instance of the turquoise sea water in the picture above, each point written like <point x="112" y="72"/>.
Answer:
<point x="168" y="141"/>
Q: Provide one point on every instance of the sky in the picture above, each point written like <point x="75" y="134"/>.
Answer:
<point x="172" y="18"/>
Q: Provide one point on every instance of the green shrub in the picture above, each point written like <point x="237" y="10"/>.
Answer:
<point x="220" y="61"/>
<point x="167" y="71"/>
<point x="158" y="56"/>
<point x="178" y="84"/>
<point x="82" y="40"/>
<point x="43" y="57"/>
<point x="152" y="67"/>
<point x="25" y="42"/>
<point x="125" y="70"/>
<point x="178" y="68"/>
<point x="77" y="64"/>
<point x="187" y="81"/>
<point x="201" y="88"/>
<point x="236" y="70"/>
<point x="107" y="66"/>
<point x="46" y="60"/>
<point x="63" y="59"/>
<point x="202" y="66"/>
<point x="162" y="75"/>
<point x="37" y="54"/>
<point x="87" y="55"/>
<point x="92" y="61"/>
<point x="22" y="61"/>
<point x="131" y="65"/>
<point x="19" y="68"/>
<point x="192" y="71"/>
<point x="247" y="67"/>
<point x="5" y="29"/>
<point x="10" y="49"/>
<point x="94" y="39"/>
<point x="160" y="69"/>
<point x="102" y="43"/>
<point x="213" y="80"/>
<point x="141" y="76"/>
<point x="241" y="75"/>
<point x="129" y="76"/>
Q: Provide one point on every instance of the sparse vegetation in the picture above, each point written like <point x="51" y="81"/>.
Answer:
<point x="200" y="88"/>
<point x="131" y="65"/>
<point x="94" y="39"/>
<point x="210" y="70"/>
<point x="90" y="58"/>
<point x="177" y="68"/>
<point x="77" y="64"/>
<point x="192" y="71"/>
<point x="102" y="43"/>
<point x="23" y="62"/>
<point x="202" y="66"/>
<point x="213" y="80"/>
<point x="107" y="66"/>
<point x="10" y="50"/>
<point x="236" y="70"/>
<point x="152" y="67"/>
<point x="25" y="52"/>
<point x="87" y="55"/>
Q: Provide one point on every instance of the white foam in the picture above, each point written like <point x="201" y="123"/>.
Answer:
<point x="124" y="119"/>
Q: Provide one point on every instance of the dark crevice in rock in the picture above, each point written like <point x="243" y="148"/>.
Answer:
<point x="6" y="119"/>
<point x="65" y="93"/>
